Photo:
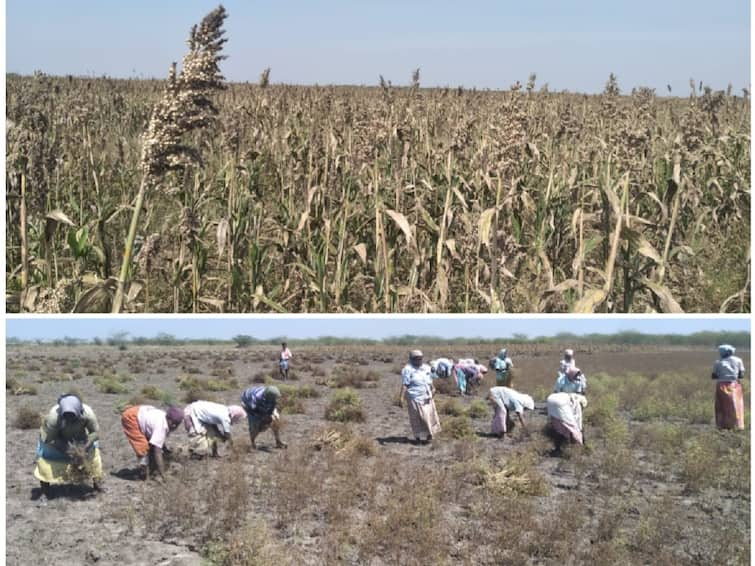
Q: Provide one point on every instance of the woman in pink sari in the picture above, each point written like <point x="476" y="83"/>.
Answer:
<point x="728" y="371"/>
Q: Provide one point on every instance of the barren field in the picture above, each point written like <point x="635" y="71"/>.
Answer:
<point x="656" y="484"/>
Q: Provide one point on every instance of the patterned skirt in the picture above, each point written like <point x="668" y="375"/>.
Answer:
<point x="423" y="417"/>
<point x="730" y="405"/>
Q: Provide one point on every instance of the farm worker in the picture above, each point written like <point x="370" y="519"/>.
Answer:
<point x="463" y="374"/>
<point x="67" y="449"/>
<point x="147" y="429"/>
<point x="728" y="371"/>
<point x="259" y="404"/>
<point x="503" y="367"/>
<point x="571" y="381"/>
<point x="207" y="422"/>
<point x="417" y="388"/>
<point x="565" y="417"/>
<point x="505" y="399"/>
<point x="283" y="361"/>
<point x="441" y="368"/>
<point x="567" y="362"/>
<point x="468" y="372"/>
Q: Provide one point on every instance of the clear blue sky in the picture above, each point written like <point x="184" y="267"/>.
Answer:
<point x="571" y="44"/>
<point x="362" y="327"/>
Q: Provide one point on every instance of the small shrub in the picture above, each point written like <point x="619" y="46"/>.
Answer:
<point x="450" y="407"/>
<point x="301" y="392"/>
<point x="346" y="376"/>
<point x="478" y="409"/>
<point x="517" y="476"/>
<point x="15" y="387"/>
<point x="345" y="406"/>
<point x="220" y="385"/>
<point x="27" y="418"/>
<point x="187" y="382"/>
<point x="152" y="392"/>
<point x="445" y="386"/>
<point x="112" y="384"/>
<point x="362" y="446"/>
<point x="291" y="405"/>
<point x="459" y="428"/>
<point x="259" y="377"/>
<point x="198" y="395"/>
<point x="251" y="545"/>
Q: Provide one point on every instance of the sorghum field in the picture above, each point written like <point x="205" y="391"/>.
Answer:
<point x="378" y="199"/>
<point x="657" y="483"/>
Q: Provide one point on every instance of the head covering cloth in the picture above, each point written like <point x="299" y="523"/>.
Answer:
<point x="271" y="392"/>
<point x="726" y="350"/>
<point x="236" y="412"/>
<point x="70" y="404"/>
<point x="175" y="415"/>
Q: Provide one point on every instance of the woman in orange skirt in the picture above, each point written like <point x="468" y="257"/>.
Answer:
<point x="730" y="407"/>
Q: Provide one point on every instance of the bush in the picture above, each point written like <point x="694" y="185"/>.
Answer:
<point x="113" y="384"/>
<point x="15" y="387"/>
<point x="291" y="405"/>
<point x="243" y="340"/>
<point x="152" y="392"/>
<point x="450" y="407"/>
<point x="27" y="418"/>
<point x="199" y="394"/>
<point x="345" y="406"/>
<point x="220" y="384"/>
<point x="301" y="392"/>
<point x="478" y="409"/>
<point x="345" y="376"/>
<point x="458" y="428"/>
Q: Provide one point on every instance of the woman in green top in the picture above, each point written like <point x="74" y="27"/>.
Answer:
<point x="67" y="450"/>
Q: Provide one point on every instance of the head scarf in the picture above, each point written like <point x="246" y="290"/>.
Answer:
<point x="502" y="354"/>
<point x="415" y="354"/>
<point x="70" y="404"/>
<point x="726" y="350"/>
<point x="572" y="373"/>
<point x="272" y="393"/>
<point x="175" y="415"/>
<point x="236" y="412"/>
<point x="568" y="353"/>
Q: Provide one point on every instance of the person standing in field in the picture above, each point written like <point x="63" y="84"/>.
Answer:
<point x="504" y="369"/>
<point x="571" y="381"/>
<point x="728" y="371"/>
<point x="259" y="403"/>
<point x="567" y="362"/>
<point x="207" y="423"/>
<point x="284" y="361"/>
<point x="67" y="449"/>
<point x="147" y="429"/>
<point x="506" y="400"/>
<point x="418" y="390"/>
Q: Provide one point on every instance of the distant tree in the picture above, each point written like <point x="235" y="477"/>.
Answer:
<point x="243" y="340"/>
<point x="165" y="339"/>
<point x="118" y="339"/>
